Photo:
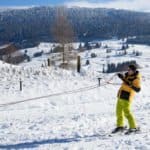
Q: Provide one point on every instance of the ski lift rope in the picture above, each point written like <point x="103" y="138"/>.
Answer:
<point x="88" y="88"/>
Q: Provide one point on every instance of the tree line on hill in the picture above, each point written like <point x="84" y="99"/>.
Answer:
<point x="27" y="27"/>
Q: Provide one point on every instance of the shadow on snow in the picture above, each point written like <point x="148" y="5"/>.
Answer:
<point x="48" y="141"/>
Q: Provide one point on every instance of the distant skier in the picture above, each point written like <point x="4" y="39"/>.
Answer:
<point x="131" y="84"/>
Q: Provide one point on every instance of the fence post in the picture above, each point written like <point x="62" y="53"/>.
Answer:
<point x="20" y="84"/>
<point x="99" y="81"/>
<point x="103" y="68"/>
<point x="48" y="61"/>
<point x="78" y="64"/>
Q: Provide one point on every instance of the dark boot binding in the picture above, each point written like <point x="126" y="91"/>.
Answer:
<point x="119" y="129"/>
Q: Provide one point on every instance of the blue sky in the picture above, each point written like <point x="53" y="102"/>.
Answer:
<point x="40" y="2"/>
<point x="28" y="2"/>
<point x="136" y="5"/>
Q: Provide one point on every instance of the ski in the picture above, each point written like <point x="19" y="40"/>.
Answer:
<point x="133" y="131"/>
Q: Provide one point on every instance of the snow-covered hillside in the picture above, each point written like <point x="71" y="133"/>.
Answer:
<point x="77" y="120"/>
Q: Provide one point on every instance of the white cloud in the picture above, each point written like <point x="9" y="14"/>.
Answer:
<point x="136" y="5"/>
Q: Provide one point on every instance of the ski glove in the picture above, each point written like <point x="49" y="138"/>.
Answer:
<point x="120" y="75"/>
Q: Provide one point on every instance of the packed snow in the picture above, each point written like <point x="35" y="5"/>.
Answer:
<point x="77" y="120"/>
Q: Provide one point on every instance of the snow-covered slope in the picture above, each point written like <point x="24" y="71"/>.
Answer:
<point x="77" y="120"/>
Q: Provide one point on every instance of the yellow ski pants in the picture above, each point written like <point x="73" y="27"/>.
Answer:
<point x="123" y="110"/>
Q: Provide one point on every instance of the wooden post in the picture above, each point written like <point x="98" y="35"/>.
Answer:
<point x="20" y="84"/>
<point x="78" y="64"/>
<point x="99" y="81"/>
<point x="48" y="61"/>
<point x="63" y="53"/>
<point x="103" y="68"/>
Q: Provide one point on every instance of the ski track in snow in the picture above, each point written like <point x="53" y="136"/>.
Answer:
<point x="75" y="121"/>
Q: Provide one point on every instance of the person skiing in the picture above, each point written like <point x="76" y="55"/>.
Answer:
<point x="131" y="84"/>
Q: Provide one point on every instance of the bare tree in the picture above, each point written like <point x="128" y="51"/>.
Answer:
<point x="62" y="31"/>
